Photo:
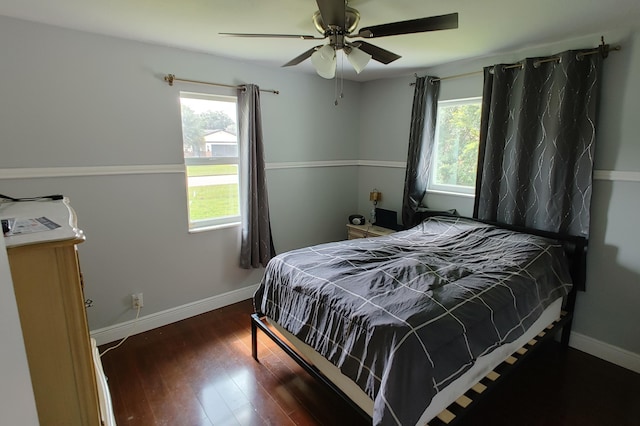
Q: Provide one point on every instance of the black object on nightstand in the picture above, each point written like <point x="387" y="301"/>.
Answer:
<point x="6" y="227"/>
<point x="387" y="219"/>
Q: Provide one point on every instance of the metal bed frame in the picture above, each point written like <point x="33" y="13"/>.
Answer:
<point x="575" y="249"/>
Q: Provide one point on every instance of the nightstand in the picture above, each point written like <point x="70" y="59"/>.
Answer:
<point x="366" y="231"/>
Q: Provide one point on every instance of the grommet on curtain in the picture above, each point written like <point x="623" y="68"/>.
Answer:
<point x="416" y="76"/>
<point x="516" y="66"/>
<point x="555" y="59"/>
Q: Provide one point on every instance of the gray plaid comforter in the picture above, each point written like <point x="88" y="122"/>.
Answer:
<point x="406" y="314"/>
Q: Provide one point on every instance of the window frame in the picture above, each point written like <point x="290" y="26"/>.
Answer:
<point x="220" y="94"/>
<point x="432" y="186"/>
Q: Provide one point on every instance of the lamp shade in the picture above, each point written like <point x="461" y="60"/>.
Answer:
<point x="324" y="61"/>
<point x="358" y="58"/>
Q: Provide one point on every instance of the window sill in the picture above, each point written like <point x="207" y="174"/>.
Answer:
<point x="455" y="194"/>
<point x="214" y="227"/>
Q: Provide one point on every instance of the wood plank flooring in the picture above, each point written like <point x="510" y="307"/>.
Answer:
<point x="200" y="372"/>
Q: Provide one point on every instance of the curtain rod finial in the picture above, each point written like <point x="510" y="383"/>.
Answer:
<point x="603" y="48"/>
<point x="169" y="79"/>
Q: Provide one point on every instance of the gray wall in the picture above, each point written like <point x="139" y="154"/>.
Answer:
<point x="608" y="311"/>
<point x="73" y="99"/>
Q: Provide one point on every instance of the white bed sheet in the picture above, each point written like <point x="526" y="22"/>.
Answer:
<point x="446" y="396"/>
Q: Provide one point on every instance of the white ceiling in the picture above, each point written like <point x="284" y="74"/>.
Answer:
<point x="485" y="27"/>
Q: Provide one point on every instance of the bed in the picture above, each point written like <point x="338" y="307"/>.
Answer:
<point x="403" y="325"/>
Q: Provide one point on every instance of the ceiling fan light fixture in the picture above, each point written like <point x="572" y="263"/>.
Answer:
<point x="357" y="58"/>
<point x="324" y="61"/>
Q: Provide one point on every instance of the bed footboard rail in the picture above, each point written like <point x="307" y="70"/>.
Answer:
<point x="258" y="322"/>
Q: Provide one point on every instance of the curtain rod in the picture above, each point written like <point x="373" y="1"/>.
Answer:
<point x="604" y="49"/>
<point x="171" y="78"/>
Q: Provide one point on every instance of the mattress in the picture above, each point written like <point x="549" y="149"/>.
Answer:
<point x="446" y="396"/>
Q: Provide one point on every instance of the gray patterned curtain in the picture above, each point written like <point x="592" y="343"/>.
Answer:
<point x="256" y="242"/>
<point x="537" y="135"/>
<point x="421" y="139"/>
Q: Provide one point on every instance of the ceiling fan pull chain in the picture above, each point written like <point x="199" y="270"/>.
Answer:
<point x="335" y="91"/>
<point x="335" y="84"/>
<point x="342" y="76"/>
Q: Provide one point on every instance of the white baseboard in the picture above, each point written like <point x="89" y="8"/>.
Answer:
<point x="159" y="319"/>
<point x="597" y="348"/>
<point x="605" y="351"/>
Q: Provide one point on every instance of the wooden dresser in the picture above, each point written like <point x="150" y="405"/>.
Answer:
<point x="49" y="294"/>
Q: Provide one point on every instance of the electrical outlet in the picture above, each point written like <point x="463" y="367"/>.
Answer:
<point x="136" y="301"/>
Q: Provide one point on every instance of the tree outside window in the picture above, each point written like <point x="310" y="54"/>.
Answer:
<point x="456" y="146"/>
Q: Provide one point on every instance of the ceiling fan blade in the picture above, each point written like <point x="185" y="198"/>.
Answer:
<point x="432" y="23"/>
<point x="377" y="53"/>
<point x="298" y="36"/>
<point x="304" y="56"/>
<point x="332" y="12"/>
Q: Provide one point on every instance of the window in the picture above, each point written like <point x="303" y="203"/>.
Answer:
<point x="455" y="154"/>
<point x="210" y="146"/>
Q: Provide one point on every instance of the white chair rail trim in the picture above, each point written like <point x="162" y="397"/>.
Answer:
<point x="49" y="172"/>
<point x="617" y="175"/>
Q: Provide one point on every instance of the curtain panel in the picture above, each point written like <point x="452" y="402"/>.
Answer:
<point x="256" y="247"/>
<point x="537" y="140"/>
<point x="421" y="141"/>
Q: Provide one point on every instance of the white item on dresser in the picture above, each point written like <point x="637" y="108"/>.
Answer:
<point x="106" y="407"/>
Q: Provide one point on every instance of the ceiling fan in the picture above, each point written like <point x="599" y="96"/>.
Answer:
<point x="336" y="21"/>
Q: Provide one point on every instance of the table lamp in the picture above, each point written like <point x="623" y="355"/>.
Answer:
<point x="374" y="197"/>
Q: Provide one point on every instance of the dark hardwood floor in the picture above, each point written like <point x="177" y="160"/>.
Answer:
<point x="200" y="372"/>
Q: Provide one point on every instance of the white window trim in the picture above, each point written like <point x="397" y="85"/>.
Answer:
<point x="207" y="161"/>
<point x="205" y="228"/>
<point x="456" y="194"/>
